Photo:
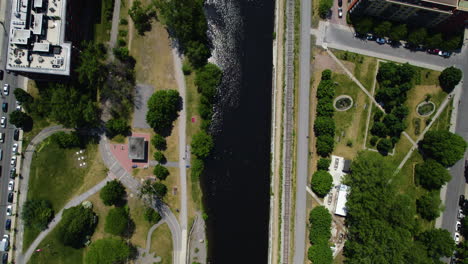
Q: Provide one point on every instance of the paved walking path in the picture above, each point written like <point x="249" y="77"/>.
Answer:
<point x="115" y="28"/>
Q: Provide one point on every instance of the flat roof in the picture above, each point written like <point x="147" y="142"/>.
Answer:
<point x="340" y="208"/>
<point x="37" y="24"/>
<point x="41" y="47"/>
<point x="38" y="3"/>
<point x="443" y="2"/>
<point x="20" y="36"/>
<point x="136" y="148"/>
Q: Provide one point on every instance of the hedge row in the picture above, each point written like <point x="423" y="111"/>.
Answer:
<point x="324" y="125"/>
<point x="319" y="234"/>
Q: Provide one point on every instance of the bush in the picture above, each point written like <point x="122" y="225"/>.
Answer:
<point x="384" y="146"/>
<point x="326" y="90"/>
<point x="113" y="193"/>
<point x="163" y="108"/>
<point x="151" y="215"/>
<point x="141" y="16"/>
<point x="428" y="205"/>
<point x="323" y="164"/>
<point x="159" y="142"/>
<point x="207" y="80"/>
<point x="77" y="224"/>
<point x="123" y="21"/>
<point x="202" y="144"/>
<point x="324" y="7"/>
<point x="186" y="68"/>
<point x="449" y="78"/>
<point x="324" y="126"/>
<point x="117" y="127"/>
<point x="325" y="107"/>
<point x="320" y="225"/>
<point x="117" y="221"/>
<point x="66" y="140"/>
<point x="320" y="254"/>
<point x="443" y="146"/>
<point x="373" y="140"/>
<point x="108" y="251"/>
<point x="159" y="157"/>
<point x="161" y="172"/>
<point x="121" y="53"/>
<point x="197" y="168"/>
<point x="325" y="145"/>
<point x="121" y="42"/>
<point x="326" y="74"/>
<point x="431" y="174"/>
<point x="37" y="213"/>
<point x="321" y="183"/>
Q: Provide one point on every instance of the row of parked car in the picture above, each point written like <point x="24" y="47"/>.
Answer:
<point x="407" y="45"/>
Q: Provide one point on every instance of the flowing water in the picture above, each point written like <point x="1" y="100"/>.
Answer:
<point x="236" y="180"/>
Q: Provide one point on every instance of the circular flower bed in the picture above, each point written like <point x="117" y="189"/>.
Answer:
<point x="425" y="108"/>
<point x="343" y="103"/>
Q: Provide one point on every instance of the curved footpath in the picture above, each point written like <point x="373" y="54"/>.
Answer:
<point x="115" y="170"/>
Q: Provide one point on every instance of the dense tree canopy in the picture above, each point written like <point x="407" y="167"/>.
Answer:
<point x="320" y="254"/>
<point x="108" y="251"/>
<point x="19" y="119"/>
<point x="113" y="193"/>
<point x="160" y="172"/>
<point x="385" y="146"/>
<point x="154" y="188"/>
<point x="449" y="78"/>
<point x="37" y="213"/>
<point x="207" y="80"/>
<point x="321" y="183"/>
<point x="320" y="225"/>
<point x="163" y="108"/>
<point x="383" y="29"/>
<point x="439" y="243"/>
<point x="325" y="145"/>
<point x="323" y="164"/>
<point x="398" y="32"/>
<point x="443" y="146"/>
<point x="77" y="224"/>
<point x="202" y="144"/>
<point x="22" y="96"/>
<point x="159" y="142"/>
<point x="326" y="89"/>
<point x="429" y="205"/>
<point x="117" y="127"/>
<point x="66" y="140"/>
<point x="431" y="174"/>
<point x="159" y="157"/>
<point x="418" y="36"/>
<point x="117" y="221"/>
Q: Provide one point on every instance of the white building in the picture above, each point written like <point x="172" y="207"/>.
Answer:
<point x="37" y="37"/>
<point x="340" y="208"/>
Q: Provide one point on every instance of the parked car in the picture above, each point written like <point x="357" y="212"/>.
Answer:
<point x="3" y="122"/>
<point x="458" y="226"/>
<point x="359" y="35"/>
<point x="1" y="75"/>
<point x="461" y="201"/>
<point x="12" y="173"/>
<point x="6" y="89"/>
<point x="1" y="154"/>
<point x="11" y="185"/>
<point x="460" y="214"/>
<point x="5" y="243"/>
<point x="9" y="210"/>
<point x="340" y="3"/>
<point x="5" y="107"/>
<point x="16" y="135"/>
<point x="13" y="161"/>
<point x="433" y="51"/>
<point x="444" y="54"/>
<point x="2" y="137"/>
<point x="380" y="41"/>
<point x="10" y="197"/>
<point x="369" y="36"/>
<point x="340" y="12"/>
<point x="5" y="258"/>
<point x="14" y="149"/>
<point x="8" y="224"/>
<point x="456" y="237"/>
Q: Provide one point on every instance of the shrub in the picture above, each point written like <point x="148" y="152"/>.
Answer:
<point x="320" y="225"/>
<point x="323" y="164"/>
<point x="321" y="183"/>
<point x="324" y="7"/>
<point x="159" y="157"/>
<point x="325" y="145"/>
<point x="326" y="74"/>
<point x="202" y="144"/>
<point x="161" y="172"/>
<point x="112" y="193"/>
<point x="117" y="221"/>
<point x="443" y="146"/>
<point x="320" y="253"/>
<point x="324" y="126"/>
<point x="326" y="90"/>
<point x="77" y="224"/>
<point x="186" y="68"/>
<point x="121" y="42"/>
<point x="152" y="215"/>
<point x="449" y="78"/>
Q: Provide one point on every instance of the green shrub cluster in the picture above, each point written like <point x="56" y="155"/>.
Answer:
<point x="324" y="125"/>
<point x="321" y="182"/>
<point x="319" y="234"/>
<point x="66" y="140"/>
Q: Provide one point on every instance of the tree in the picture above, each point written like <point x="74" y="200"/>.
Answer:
<point x="326" y="74"/>
<point x="154" y="188"/>
<point x="320" y="225"/>
<point x="364" y="25"/>
<point x="429" y="205"/>
<point x="439" y="243"/>
<point x="434" y="41"/>
<point x="66" y="140"/>
<point x="325" y="144"/>
<point x="159" y="157"/>
<point x="398" y="32"/>
<point x="379" y="129"/>
<point x="384" y="146"/>
<point x="163" y="108"/>
<point x="117" y="127"/>
<point x="20" y="119"/>
<point x="151" y="215"/>
<point x="112" y="193"/>
<point x="431" y="175"/>
<point x="22" y="96"/>
<point x="418" y="36"/>
<point x="108" y="251"/>
<point x="326" y="89"/>
<point x="161" y="172"/>
<point x="324" y="126"/>
<point x="320" y="254"/>
<point x="37" y="213"/>
<point x="383" y="29"/>
<point x="117" y="221"/>
<point x="91" y="69"/>
<point x="159" y="142"/>
<point x="323" y="164"/>
<point x="321" y="183"/>
<point x="400" y="112"/>
<point x="141" y="16"/>
<point x="160" y="189"/>
<point x="449" y="78"/>
<point x="325" y="107"/>
<point x="202" y="144"/>
<point x="207" y="80"/>
<point x="324" y="7"/>
<point x="77" y="225"/>
<point x="443" y="146"/>
<point x="464" y="226"/>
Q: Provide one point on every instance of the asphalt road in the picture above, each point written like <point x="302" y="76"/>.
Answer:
<point x="8" y="143"/>
<point x="340" y="37"/>
<point x="302" y="135"/>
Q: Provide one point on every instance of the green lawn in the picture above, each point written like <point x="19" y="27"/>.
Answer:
<point x="364" y="66"/>
<point x="443" y="122"/>
<point x="53" y="252"/>
<point x="102" y="29"/>
<point x="56" y="176"/>
<point x="161" y="244"/>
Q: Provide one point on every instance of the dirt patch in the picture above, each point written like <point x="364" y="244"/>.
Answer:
<point x="323" y="61"/>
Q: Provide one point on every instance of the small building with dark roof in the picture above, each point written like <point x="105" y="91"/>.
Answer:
<point x="136" y="148"/>
<point x="347" y="166"/>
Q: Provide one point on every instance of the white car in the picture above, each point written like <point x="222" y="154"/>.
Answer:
<point x="11" y="185"/>
<point x="456" y="237"/>
<point x="14" y="149"/>
<point x="340" y="12"/>
<point x="460" y="214"/>
<point x="458" y="226"/>
<point x="9" y="210"/>
<point x="13" y="161"/>
<point x="6" y="89"/>
<point x="3" y="122"/>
